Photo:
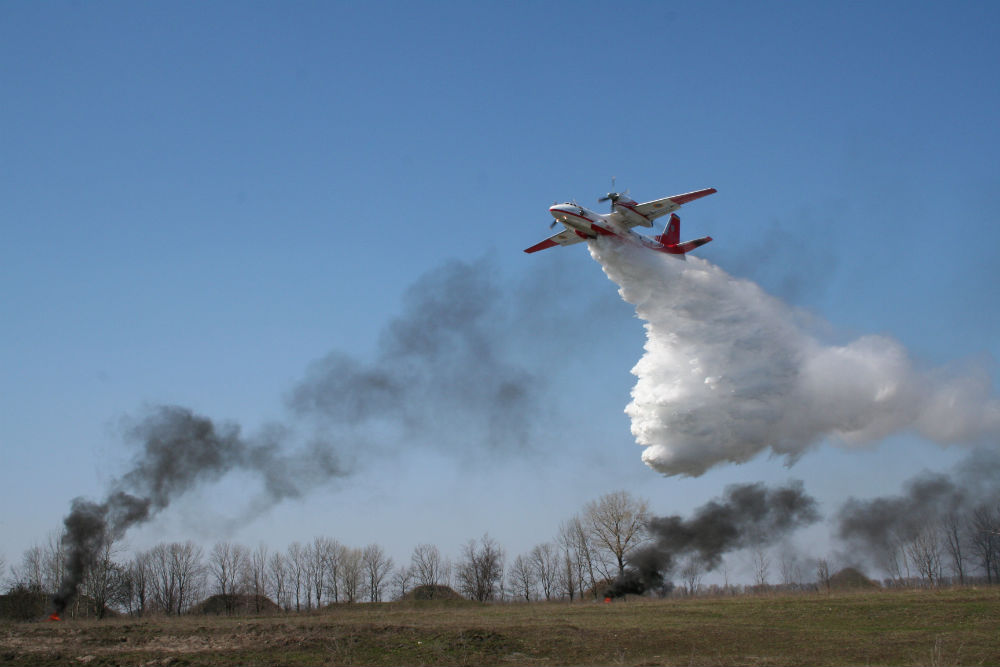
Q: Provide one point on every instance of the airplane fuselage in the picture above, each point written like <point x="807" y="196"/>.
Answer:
<point x="588" y="225"/>
<point x="582" y="224"/>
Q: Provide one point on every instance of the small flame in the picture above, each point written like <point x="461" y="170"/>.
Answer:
<point x="54" y="617"/>
<point x="607" y="600"/>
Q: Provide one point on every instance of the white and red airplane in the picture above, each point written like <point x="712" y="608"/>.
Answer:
<point x="583" y="224"/>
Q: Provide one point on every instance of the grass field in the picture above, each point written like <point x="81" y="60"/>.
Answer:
<point x="942" y="627"/>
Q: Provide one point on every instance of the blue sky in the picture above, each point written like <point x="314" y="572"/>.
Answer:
<point x="200" y="200"/>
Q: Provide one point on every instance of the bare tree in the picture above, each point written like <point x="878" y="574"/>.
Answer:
<point x="189" y="573"/>
<point x="617" y="523"/>
<point x="427" y="566"/>
<point x="984" y="539"/>
<point x="326" y="556"/>
<point x="277" y="568"/>
<point x="954" y="540"/>
<point x="323" y="556"/>
<point x="377" y="566"/>
<point x="892" y="557"/>
<point x="103" y="582"/>
<point x="256" y="573"/>
<point x="545" y="563"/>
<point x="163" y="584"/>
<point x="298" y="561"/>
<point x="823" y="573"/>
<point x="480" y="572"/>
<point x="761" y="566"/>
<point x="402" y="577"/>
<point x="31" y="574"/>
<point x="568" y="575"/>
<point x="177" y="575"/>
<point x="924" y="551"/>
<point x="54" y="562"/>
<point x="576" y="541"/>
<point x="351" y="575"/>
<point x="522" y="578"/>
<point x="789" y="567"/>
<point x="692" y="573"/>
<point x="139" y="584"/>
<point x="227" y="563"/>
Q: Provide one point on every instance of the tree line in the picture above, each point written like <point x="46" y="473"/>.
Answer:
<point x="589" y="550"/>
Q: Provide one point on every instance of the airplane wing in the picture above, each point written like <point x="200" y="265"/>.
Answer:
<point x="654" y="209"/>
<point x="565" y="237"/>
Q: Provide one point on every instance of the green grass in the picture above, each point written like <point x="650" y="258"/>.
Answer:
<point x="957" y="626"/>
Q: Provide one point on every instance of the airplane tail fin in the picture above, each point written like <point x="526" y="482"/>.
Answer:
<point x="672" y="232"/>
<point x="670" y="238"/>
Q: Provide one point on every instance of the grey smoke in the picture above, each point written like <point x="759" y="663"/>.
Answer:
<point x="444" y="372"/>
<point x="177" y="450"/>
<point x="747" y="515"/>
<point x="873" y="529"/>
<point x="445" y="375"/>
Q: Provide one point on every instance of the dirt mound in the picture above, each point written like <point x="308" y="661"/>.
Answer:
<point x="22" y="604"/>
<point x="230" y="605"/>
<point x="435" y="592"/>
<point x="27" y="604"/>
<point x="851" y="579"/>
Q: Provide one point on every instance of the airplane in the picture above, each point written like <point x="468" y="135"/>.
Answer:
<point x="583" y="224"/>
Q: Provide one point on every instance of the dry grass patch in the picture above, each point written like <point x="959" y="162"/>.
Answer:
<point x="886" y="627"/>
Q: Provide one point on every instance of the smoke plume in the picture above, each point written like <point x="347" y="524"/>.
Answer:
<point x="729" y="371"/>
<point x="873" y="530"/>
<point x="444" y="375"/>
<point x="747" y="515"/>
<point x="444" y="371"/>
<point x="176" y="450"/>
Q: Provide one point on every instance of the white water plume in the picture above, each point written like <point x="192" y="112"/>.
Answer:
<point x="730" y="371"/>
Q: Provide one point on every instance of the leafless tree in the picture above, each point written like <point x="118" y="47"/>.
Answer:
<point x="323" y="557"/>
<point x="924" y="551"/>
<point x="894" y="560"/>
<point x="692" y="573"/>
<point x="298" y="563"/>
<point x="177" y="575"/>
<point x="326" y="556"/>
<point x="522" y="578"/>
<point x="139" y="584"/>
<point x="189" y="573"/>
<point x="227" y="563"/>
<point x="31" y="573"/>
<point x="427" y="566"/>
<point x="568" y="574"/>
<point x="952" y="529"/>
<point x="576" y="541"/>
<point x="402" y="577"/>
<point x="823" y="573"/>
<point x="162" y="581"/>
<point x="984" y="539"/>
<point x="761" y="566"/>
<point x="617" y="523"/>
<point x="256" y="574"/>
<point x="377" y="566"/>
<point x="277" y="567"/>
<point x="54" y="561"/>
<point x="103" y="582"/>
<point x="480" y="571"/>
<point x="351" y="575"/>
<point x="545" y="563"/>
<point x="789" y="567"/>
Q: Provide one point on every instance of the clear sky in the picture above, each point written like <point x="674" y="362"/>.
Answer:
<point x="201" y="200"/>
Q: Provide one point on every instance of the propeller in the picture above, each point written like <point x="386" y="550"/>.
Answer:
<point x="613" y="196"/>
